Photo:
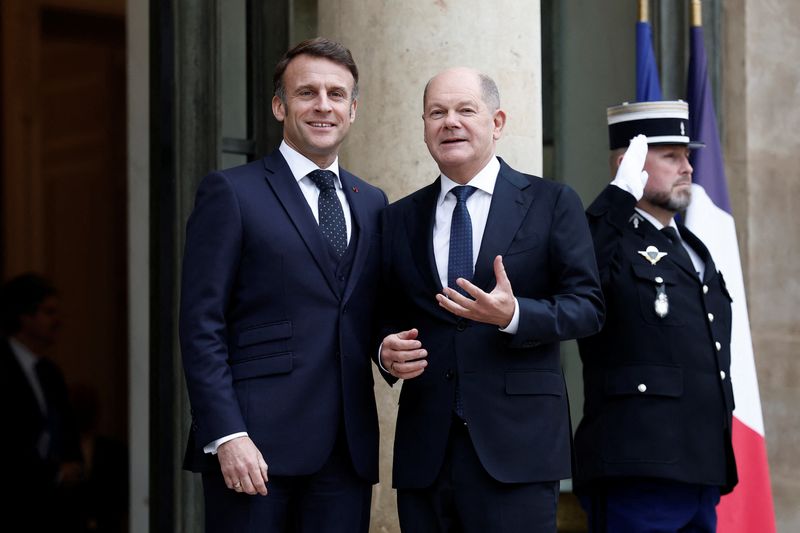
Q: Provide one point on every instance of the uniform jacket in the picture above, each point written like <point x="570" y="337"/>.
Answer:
<point x="275" y="342"/>
<point x="658" y="395"/>
<point x="512" y="388"/>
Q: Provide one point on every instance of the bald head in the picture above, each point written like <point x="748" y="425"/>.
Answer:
<point x="489" y="92"/>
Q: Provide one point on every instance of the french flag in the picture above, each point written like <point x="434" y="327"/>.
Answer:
<point x="749" y="507"/>
<point x="648" y="88"/>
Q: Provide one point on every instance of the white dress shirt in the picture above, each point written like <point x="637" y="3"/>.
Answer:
<point x="478" y="205"/>
<point x="300" y="166"/>
<point x="27" y="361"/>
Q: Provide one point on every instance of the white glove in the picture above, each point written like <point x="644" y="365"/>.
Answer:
<point x="631" y="175"/>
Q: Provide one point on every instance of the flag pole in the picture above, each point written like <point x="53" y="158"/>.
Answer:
<point x="697" y="13"/>
<point x="644" y="8"/>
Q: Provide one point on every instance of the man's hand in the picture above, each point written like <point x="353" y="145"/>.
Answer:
<point x="243" y="466"/>
<point x="403" y="355"/>
<point x="631" y="175"/>
<point x="496" y="307"/>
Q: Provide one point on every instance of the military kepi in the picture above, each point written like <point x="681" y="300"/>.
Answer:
<point x="664" y="122"/>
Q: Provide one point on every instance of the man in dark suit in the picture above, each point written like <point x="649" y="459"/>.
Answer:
<point x="41" y="444"/>
<point x="654" y="447"/>
<point x="277" y="311"/>
<point x="483" y="432"/>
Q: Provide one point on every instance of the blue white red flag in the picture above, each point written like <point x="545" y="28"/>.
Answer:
<point x="749" y="507"/>
<point x="648" y="88"/>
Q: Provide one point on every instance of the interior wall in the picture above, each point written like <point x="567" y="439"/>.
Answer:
<point x="64" y="184"/>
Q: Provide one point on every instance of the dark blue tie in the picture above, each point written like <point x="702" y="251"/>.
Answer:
<point x="331" y="215"/>
<point x="674" y="238"/>
<point x="459" y="263"/>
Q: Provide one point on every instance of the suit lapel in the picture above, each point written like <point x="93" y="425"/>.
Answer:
<point x="358" y="216"/>
<point x="419" y="227"/>
<point x="709" y="270"/>
<point x="286" y="189"/>
<point x="511" y="200"/>
<point x="18" y="386"/>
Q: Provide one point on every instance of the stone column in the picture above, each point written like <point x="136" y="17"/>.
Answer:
<point x="761" y="87"/>
<point x="398" y="47"/>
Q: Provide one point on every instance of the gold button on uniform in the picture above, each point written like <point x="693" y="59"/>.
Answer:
<point x="722" y="374"/>
<point x="718" y="345"/>
<point x="705" y="289"/>
<point x="642" y="387"/>
<point x="711" y="317"/>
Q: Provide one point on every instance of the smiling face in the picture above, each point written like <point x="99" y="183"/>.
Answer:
<point x="668" y="188"/>
<point x="319" y="107"/>
<point x="460" y="126"/>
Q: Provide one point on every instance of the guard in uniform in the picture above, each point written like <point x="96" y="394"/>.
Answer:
<point x="654" y="447"/>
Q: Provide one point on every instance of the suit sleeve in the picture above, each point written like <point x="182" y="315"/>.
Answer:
<point x="386" y="308"/>
<point x="574" y="307"/>
<point x="210" y="264"/>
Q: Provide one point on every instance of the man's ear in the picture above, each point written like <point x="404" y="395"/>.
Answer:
<point x="278" y="108"/>
<point x="499" y="119"/>
<point x="353" y="107"/>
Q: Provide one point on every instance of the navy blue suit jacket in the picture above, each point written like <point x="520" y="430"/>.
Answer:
<point x="271" y="343"/>
<point x="513" y="392"/>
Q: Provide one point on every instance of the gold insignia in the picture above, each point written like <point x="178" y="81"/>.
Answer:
<point x="652" y="254"/>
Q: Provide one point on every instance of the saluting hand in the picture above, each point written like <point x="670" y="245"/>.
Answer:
<point x="631" y="175"/>
<point x="496" y="307"/>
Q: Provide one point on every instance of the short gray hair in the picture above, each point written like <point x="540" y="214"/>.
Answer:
<point x="489" y="91"/>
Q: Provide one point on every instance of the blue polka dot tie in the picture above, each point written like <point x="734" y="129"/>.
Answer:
<point x="331" y="216"/>
<point x="459" y="263"/>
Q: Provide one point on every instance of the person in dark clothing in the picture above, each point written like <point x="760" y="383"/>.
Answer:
<point x="41" y="445"/>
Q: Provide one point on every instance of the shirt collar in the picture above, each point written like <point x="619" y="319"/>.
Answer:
<point x="654" y="221"/>
<point x="300" y="165"/>
<point x="26" y="358"/>
<point x="484" y="180"/>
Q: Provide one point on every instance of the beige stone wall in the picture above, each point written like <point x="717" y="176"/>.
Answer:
<point x="762" y="149"/>
<point x="399" y="46"/>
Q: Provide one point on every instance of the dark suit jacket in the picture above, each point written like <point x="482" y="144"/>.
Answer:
<point x="513" y="392"/>
<point x="272" y="343"/>
<point x="658" y="390"/>
<point x="34" y="477"/>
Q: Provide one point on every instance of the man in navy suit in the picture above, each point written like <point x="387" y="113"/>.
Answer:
<point x="654" y="448"/>
<point x="483" y="432"/>
<point x="42" y="444"/>
<point x="277" y="318"/>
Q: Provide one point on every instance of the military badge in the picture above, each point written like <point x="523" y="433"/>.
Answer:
<point x="661" y="304"/>
<point x="652" y="254"/>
